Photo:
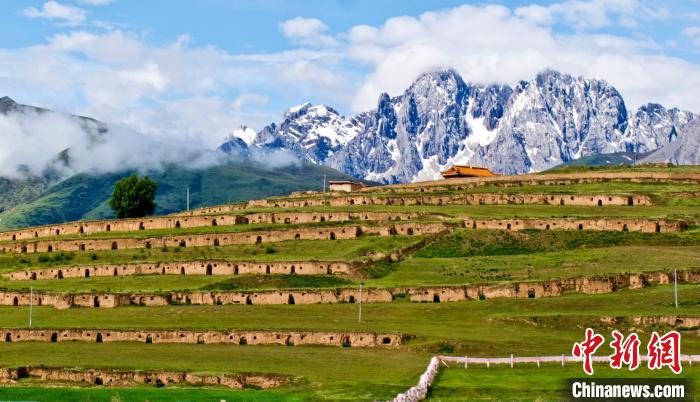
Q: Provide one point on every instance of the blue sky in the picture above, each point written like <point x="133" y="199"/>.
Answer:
<point x="198" y="70"/>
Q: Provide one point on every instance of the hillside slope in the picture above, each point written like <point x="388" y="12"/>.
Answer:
<point x="85" y="196"/>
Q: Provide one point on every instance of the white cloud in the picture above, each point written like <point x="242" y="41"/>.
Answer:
<point x="53" y="10"/>
<point x="693" y="33"/>
<point x="592" y="14"/>
<point x="249" y="99"/>
<point x="97" y="2"/>
<point x="307" y="31"/>
<point x="494" y="44"/>
<point x="121" y="148"/>
<point x="195" y="95"/>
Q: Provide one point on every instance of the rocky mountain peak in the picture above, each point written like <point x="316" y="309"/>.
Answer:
<point x="7" y="104"/>
<point x="440" y="120"/>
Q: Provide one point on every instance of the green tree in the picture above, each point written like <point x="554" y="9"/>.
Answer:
<point x="134" y="197"/>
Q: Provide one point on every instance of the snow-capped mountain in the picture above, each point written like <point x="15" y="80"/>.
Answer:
<point x="441" y="120"/>
<point x="245" y="133"/>
<point x="312" y="132"/>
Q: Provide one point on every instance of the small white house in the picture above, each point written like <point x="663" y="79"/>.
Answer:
<point x="346" y="186"/>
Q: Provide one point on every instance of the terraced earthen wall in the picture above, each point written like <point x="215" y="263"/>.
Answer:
<point x="556" y="179"/>
<point x="288" y="338"/>
<point x="456" y="199"/>
<point x="174" y="222"/>
<point x="116" y="378"/>
<point x="548" y="288"/>
<point x="422" y="294"/>
<point x="214" y="267"/>
<point x="220" y="239"/>
<point x="611" y="224"/>
<point x="122" y="225"/>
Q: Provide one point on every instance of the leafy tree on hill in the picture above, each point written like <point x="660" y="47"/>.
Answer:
<point x="134" y="197"/>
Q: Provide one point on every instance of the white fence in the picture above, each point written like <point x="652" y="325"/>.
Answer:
<point x="419" y="392"/>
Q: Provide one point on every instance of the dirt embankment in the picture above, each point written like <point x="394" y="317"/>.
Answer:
<point x="423" y="294"/>
<point x="222" y="239"/>
<point x="244" y="337"/>
<point x="121" y="378"/>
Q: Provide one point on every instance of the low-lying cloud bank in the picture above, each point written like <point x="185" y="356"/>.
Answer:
<point x="34" y="143"/>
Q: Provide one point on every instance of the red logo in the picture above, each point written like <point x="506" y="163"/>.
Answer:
<point x="665" y="351"/>
<point x="626" y="351"/>
<point x="662" y="351"/>
<point x="587" y="348"/>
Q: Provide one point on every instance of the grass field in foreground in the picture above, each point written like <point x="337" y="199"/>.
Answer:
<point x="524" y="326"/>
<point x="526" y="381"/>
<point x="27" y="391"/>
<point x="327" y="372"/>
<point x="451" y="384"/>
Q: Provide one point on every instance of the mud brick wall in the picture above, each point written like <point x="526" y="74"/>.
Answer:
<point x="611" y="224"/>
<point x="248" y="337"/>
<point x="213" y="267"/>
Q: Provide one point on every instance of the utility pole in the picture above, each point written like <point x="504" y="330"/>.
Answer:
<point x="188" y="198"/>
<point x="31" y="304"/>
<point x="675" y="287"/>
<point x="635" y="148"/>
<point x="324" y="183"/>
<point x="359" y="317"/>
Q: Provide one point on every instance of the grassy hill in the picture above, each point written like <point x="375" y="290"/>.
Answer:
<point x="85" y="196"/>
<point x="464" y="291"/>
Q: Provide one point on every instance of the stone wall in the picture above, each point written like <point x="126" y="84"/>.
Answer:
<point x="218" y="239"/>
<point x="440" y="294"/>
<point x="557" y="179"/>
<point x="213" y="267"/>
<point x="611" y="224"/>
<point x="536" y="289"/>
<point x="120" y="378"/>
<point x="235" y="337"/>
<point x="174" y="222"/>
<point x="454" y="199"/>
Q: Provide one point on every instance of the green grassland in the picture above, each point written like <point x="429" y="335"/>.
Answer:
<point x="525" y="327"/>
<point x="85" y="196"/>
<point x="350" y="374"/>
<point x="169" y="283"/>
<point x="28" y="391"/>
<point x="541" y="266"/>
<point x="480" y="328"/>
<point x="412" y="271"/>
<point x="255" y="227"/>
<point x="296" y="250"/>
<point x="682" y="210"/>
<point x="528" y="382"/>
<point x="627" y="168"/>
<point x="462" y="257"/>
<point x="606" y="187"/>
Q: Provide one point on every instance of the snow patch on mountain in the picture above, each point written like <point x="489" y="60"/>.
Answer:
<point x="245" y="133"/>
